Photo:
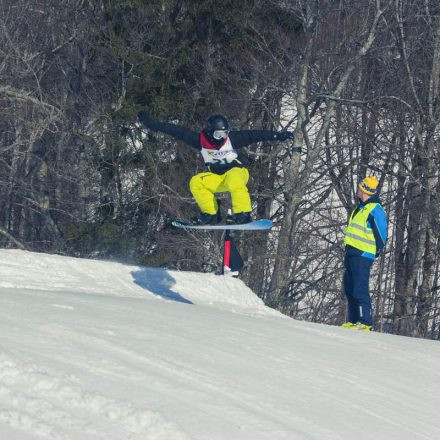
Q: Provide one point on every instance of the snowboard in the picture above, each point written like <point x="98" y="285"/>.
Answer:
<point x="256" y="225"/>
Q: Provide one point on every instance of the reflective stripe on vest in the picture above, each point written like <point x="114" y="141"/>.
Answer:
<point x="358" y="234"/>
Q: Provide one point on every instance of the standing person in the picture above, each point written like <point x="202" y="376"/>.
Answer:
<point x="226" y="171"/>
<point x="365" y="237"/>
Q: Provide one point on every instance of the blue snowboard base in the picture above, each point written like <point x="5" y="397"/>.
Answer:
<point x="257" y="225"/>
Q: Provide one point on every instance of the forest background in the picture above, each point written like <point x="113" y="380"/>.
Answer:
<point x="358" y="81"/>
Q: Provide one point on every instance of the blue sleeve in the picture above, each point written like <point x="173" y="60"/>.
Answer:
<point x="378" y="222"/>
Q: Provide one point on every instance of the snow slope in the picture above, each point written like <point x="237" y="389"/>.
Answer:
<point x="100" y="350"/>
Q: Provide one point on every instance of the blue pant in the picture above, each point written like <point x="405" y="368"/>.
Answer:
<point x="356" y="277"/>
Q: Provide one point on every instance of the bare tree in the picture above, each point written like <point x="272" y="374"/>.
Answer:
<point x="297" y="180"/>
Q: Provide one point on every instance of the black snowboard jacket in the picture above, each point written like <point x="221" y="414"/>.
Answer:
<point x="238" y="138"/>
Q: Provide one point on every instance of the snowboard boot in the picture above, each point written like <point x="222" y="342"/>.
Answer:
<point x="207" y="219"/>
<point x="239" y="219"/>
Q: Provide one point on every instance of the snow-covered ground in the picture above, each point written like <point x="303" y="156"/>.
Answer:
<point x="99" y="350"/>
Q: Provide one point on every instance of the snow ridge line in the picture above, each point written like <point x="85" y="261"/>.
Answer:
<point x="34" y="401"/>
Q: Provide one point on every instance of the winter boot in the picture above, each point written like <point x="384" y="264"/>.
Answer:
<point x="349" y="325"/>
<point x="239" y="219"/>
<point x="364" y="327"/>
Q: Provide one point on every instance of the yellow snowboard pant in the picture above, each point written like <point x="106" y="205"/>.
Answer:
<point x="204" y="185"/>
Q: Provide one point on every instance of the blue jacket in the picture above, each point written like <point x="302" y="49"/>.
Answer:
<point x="377" y="220"/>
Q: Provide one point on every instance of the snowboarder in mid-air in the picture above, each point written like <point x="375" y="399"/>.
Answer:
<point x="226" y="171"/>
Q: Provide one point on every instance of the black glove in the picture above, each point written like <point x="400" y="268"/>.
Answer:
<point x="284" y="135"/>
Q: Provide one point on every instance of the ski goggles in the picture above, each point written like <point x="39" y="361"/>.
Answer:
<point x="220" y="134"/>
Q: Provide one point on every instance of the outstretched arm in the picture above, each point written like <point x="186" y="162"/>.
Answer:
<point x="242" y="138"/>
<point x="177" y="131"/>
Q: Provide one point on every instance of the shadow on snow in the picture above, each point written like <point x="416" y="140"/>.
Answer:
<point x="159" y="282"/>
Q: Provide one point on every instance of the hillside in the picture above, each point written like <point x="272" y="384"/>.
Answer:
<point x="102" y="350"/>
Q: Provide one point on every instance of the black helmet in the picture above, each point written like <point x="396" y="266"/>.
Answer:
<point x="217" y="128"/>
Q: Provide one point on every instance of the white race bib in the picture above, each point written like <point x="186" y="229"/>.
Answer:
<point x="226" y="154"/>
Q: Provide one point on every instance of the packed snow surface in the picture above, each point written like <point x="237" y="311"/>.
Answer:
<point x="102" y="350"/>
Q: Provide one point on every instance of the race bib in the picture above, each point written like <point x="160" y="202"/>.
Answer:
<point x="226" y="154"/>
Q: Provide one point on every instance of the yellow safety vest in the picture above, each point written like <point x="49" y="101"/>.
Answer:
<point x="357" y="233"/>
